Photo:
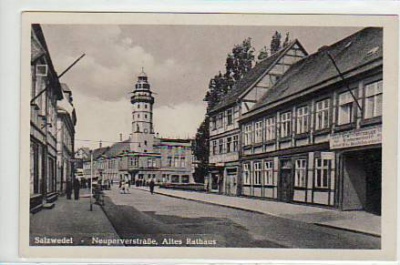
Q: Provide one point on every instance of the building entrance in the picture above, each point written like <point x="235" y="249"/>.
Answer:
<point x="285" y="184"/>
<point x="362" y="180"/>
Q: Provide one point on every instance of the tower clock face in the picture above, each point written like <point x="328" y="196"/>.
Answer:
<point x="145" y="130"/>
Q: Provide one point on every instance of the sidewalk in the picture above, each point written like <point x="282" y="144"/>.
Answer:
<point x="356" y="221"/>
<point x="71" y="219"/>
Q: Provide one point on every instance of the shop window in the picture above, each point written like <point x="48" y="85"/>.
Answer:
<point x="235" y="143"/>
<point x="268" y="173"/>
<point x="322" y="173"/>
<point x="221" y="146"/>
<point x="247" y="134"/>
<point x="258" y="132"/>
<point x="322" y="114"/>
<point x="286" y="124"/>
<point x="229" y="116"/>
<point x="229" y="144"/>
<point x="346" y="108"/>
<point x="300" y="173"/>
<point x="302" y="120"/>
<point x="373" y="100"/>
<point x="257" y="173"/>
<point x="174" y="179"/>
<point x="185" y="179"/>
<point x="246" y="174"/>
<point x="270" y="129"/>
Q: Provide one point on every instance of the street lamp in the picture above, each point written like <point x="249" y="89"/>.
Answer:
<point x="91" y="179"/>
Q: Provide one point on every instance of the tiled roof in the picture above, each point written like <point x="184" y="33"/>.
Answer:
<point x="257" y="72"/>
<point x="351" y="53"/>
<point x="117" y="149"/>
<point x="97" y="153"/>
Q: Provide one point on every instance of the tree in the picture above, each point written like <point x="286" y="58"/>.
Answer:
<point x="276" y="42"/>
<point x="201" y="150"/>
<point x="263" y="54"/>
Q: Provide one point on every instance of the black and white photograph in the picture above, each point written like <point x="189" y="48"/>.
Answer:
<point x="171" y="134"/>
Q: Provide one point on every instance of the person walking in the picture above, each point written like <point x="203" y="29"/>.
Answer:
<point x="68" y="189"/>
<point x="151" y="185"/>
<point x="77" y="186"/>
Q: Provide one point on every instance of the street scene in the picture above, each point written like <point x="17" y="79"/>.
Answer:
<point x="206" y="136"/>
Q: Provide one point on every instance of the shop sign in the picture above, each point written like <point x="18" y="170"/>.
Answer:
<point x="219" y="164"/>
<point x="361" y="137"/>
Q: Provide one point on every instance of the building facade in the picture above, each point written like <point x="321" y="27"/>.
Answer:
<point x="224" y="128"/>
<point x="45" y="92"/>
<point x="66" y="121"/>
<point x="315" y="136"/>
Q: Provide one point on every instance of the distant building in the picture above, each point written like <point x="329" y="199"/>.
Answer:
<point x="314" y="138"/>
<point x="45" y="91"/>
<point x="143" y="156"/>
<point x="225" y="133"/>
<point x="66" y="121"/>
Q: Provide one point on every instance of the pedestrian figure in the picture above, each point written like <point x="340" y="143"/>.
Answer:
<point x="151" y="185"/>
<point x="127" y="185"/>
<point x="77" y="186"/>
<point x="122" y="187"/>
<point x="68" y="189"/>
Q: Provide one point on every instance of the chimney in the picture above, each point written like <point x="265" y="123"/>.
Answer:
<point x="100" y="144"/>
<point x="120" y="137"/>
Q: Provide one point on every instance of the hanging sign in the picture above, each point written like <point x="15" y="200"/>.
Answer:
<point x="361" y="137"/>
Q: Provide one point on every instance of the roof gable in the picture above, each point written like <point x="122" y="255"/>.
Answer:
<point x="353" y="52"/>
<point x="250" y="79"/>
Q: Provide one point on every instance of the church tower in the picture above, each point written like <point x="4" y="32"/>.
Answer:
<point x="142" y="116"/>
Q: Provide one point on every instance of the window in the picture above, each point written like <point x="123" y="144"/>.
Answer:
<point x="346" y="108"/>
<point x="235" y="143"/>
<point x="169" y="159"/>
<point x="322" y="114"/>
<point x="246" y="174"/>
<point x="229" y="116"/>
<point x="221" y="146"/>
<point x="220" y="118"/>
<point x="174" y="179"/>
<point x="176" y="161"/>
<point x="213" y="123"/>
<point x="150" y="162"/>
<point x="373" y="100"/>
<point x="258" y="132"/>
<point x="214" y="147"/>
<point x="300" y="172"/>
<point x="286" y="123"/>
<point x="247" y="134"/>
<point x="138" y="105"/>
<point x="229" y="144"/>
<point x="268" y="173"/>
<point x="145" y="106"/>
<point x="257" y="173"/>
<point x="185" y="179"/>
<point x="302" y="119"/>
<point x="183" y="161"/>
<point x="322" y="173"/>
<point x="270" y="129"/>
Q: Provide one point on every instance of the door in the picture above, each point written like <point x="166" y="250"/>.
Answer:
<point x="285" y="188"/>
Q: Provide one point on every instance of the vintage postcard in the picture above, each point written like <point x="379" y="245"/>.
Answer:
<point x="208" y="136"/>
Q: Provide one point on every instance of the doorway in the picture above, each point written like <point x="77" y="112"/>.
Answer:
<point x="285" y="184"/>
<point x="362" y="177"/>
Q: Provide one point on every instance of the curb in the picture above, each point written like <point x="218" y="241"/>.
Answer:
<point x="274" y="215"/>
<point x="348" y="230"/>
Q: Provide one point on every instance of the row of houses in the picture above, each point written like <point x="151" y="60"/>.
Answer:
<point x="304" y="128"/>
<point x="143" y="156"/>
<point x="52" y="127"/>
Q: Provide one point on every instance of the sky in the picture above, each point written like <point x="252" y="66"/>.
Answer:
<point x="179" y="60"/>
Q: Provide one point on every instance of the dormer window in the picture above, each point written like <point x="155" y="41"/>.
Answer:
<point x="41" y="69"/>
